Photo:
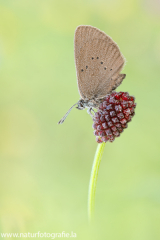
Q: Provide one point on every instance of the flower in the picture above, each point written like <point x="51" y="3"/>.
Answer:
<point x="116" y="110"/>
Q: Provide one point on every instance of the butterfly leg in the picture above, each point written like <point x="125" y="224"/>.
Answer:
<point x="89" y="111"/>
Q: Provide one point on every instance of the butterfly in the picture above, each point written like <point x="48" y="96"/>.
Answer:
<point x="98" y="63"/>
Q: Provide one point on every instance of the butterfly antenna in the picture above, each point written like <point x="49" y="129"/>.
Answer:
<point x="64" y="117"/>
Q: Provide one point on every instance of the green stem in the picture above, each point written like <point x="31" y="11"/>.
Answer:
<point x="93" y="180"/>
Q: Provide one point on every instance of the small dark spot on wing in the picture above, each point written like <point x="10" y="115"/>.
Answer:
<point x="101" y="62"/>
<point x="82" y="70"/>
<point x="92" y="58"/>
<point x="111" y="69"/>
<point x="86" y="67"/>
<point x="105" y="68"/>
<point x="97" y="57"/>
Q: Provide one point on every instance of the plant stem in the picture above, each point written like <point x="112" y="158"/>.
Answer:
<point x="93" y="180"/>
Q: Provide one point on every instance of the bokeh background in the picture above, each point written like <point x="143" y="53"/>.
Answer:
<point x="45" y="167"/>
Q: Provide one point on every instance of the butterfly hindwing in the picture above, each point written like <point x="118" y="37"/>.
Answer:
<point x="98" y="62"/>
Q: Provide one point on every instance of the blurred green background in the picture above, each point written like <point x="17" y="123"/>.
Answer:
<point x="45" y="167"/>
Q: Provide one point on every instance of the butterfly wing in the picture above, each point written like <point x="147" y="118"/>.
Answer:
<point x="98" y="62"/>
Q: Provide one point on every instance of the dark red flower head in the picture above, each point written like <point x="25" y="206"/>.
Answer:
<point x="116" y="110"/>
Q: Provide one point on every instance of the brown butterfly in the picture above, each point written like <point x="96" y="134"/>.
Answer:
<point x="98" y="64"/>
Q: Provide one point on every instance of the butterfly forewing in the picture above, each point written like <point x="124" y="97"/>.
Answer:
<point x="98" y="62"/>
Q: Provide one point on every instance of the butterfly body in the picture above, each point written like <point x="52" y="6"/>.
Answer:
<point x="89" y="103"/>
